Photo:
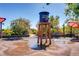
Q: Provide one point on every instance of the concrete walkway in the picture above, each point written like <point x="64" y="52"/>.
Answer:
<point x="61" y="47"/>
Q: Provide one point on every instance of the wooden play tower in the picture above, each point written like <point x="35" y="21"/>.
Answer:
<point x="44" y="29"/>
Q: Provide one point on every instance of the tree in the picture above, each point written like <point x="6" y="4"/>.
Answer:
<point x="20" y="26"/>
<point x="72" y="12"/>
<point x="54" y="23"/>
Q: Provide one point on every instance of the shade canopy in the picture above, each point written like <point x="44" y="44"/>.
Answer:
<point x="2" y="19"/>
<point x="73" y="24"/>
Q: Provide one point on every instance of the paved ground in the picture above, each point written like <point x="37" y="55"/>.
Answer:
<point x="61" y="47"/>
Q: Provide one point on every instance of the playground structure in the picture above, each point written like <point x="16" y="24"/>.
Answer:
<point x="44" y="29"/>
<point x="1" y="21"/>
<point x="73" y="24"/>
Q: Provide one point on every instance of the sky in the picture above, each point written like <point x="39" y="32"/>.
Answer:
<point x="30" y="11"/>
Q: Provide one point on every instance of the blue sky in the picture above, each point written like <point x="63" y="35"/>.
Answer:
<point x="30" y="11"/>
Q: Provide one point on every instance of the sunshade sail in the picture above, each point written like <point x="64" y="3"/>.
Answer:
<point x="2" y="19"/>
<point x="73" y="24"/>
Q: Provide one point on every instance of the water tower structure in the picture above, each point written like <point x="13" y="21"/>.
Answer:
<point x="44" y="28"/>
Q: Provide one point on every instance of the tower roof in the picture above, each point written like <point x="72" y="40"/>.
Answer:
<point x="44" y="12"/>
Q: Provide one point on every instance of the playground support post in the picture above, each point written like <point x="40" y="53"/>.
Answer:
<point x="0" y="30"/>
<point x="41" y="28"/>
<point x="71" y="31"/>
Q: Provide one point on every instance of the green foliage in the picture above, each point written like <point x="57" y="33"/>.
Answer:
<point x="54" y="30"/>
<point x="54" y="23"/>
<point x="20" y="26"/>
<point x="7" y="32"/>
<point x="34" y="31"/>
<point x="67" y="30"/>
<point x="72" y="10"/>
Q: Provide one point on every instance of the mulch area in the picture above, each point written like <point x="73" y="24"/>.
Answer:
<point x="75" y="40"/>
